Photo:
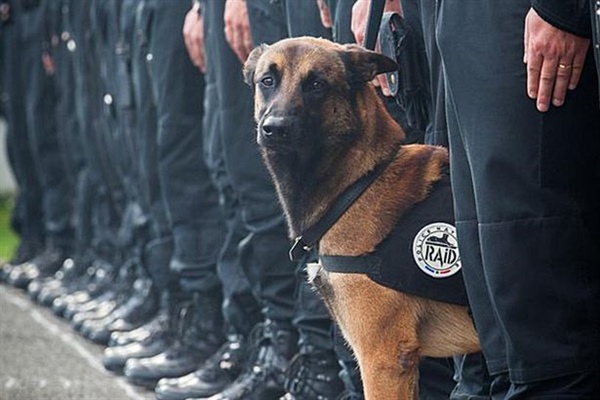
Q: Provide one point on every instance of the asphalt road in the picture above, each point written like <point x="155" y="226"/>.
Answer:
<point x="42" y="358"/>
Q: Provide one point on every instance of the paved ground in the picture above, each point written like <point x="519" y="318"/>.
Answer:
<point x="42" y="358"/>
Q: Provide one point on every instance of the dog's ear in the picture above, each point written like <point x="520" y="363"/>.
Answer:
<point x="365" y="64"/>
<point x="250" y="64"/>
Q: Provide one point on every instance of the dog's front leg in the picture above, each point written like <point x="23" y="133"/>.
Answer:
<point x="380" y="326"/>
<point x="389" y="369"/>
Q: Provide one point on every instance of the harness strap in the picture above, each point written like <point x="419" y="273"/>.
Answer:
<point x="365" y="264"/>
<point x="306" y="241"/>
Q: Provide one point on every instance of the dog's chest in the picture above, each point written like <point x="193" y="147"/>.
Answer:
<point x="419" y="257"/>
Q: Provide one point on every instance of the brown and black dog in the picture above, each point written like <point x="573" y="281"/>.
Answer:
<point x="321" y="127"/>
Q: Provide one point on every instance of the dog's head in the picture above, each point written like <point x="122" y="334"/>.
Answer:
<point x="321" y="124"/>
<point x="306" y="92"/>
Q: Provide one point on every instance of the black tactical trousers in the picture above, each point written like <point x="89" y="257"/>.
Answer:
<point x="40" y="111"/>
<point x="27" y="218"/>
<point x="190" y="197"/>
<point x="99" y="188"/>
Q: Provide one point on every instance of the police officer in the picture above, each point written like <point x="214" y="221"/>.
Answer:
<point x="37" y="78"/>
<point x="526" y="133"/>
<point x="263" y="249"/>
<point x="190" y="199"/>
<point x="27" y="216"/>
<point x="61" y="51"/>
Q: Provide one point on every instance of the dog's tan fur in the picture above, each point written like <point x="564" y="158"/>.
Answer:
<point x="388" y="330"/>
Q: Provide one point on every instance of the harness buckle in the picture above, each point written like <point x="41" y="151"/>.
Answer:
<point x="299" y="249"/>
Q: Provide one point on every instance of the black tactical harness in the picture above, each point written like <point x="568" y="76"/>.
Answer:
<point x="420" y="255"/>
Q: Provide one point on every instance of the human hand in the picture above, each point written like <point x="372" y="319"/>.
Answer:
<point x="48" y="63"/>
<point x="360" y="16"/>
<point x="193" y="36"/>
<point x="237" y="28"/>
<point x="324" y="13"/>
<point x="4" y="12"/>
<point x="554" y="61"/>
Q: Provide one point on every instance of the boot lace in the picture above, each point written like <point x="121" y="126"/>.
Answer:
<point x="314" y="376"/>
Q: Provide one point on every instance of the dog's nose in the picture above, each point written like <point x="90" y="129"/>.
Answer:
<point x="275" y="127"/>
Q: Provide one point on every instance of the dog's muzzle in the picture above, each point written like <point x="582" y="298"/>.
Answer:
<point x="277" y="131"/>
<point x="275" y="128"/>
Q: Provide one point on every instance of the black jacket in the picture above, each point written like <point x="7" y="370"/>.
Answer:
<point x="595" y="10"/>
<point x="568" y="15"/>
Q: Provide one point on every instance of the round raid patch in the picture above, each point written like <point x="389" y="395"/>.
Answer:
<point x="435" y="250"/>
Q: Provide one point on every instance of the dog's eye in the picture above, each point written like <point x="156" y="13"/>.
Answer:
<point x="317" y="85"/>
<point x="267" y="81"/>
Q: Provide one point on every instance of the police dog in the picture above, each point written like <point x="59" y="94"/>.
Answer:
<point x="321" y="127"/>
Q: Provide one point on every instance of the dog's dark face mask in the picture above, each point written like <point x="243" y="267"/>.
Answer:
<point x="306" y="92"/>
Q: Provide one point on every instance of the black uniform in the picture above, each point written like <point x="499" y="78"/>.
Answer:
<point x="527" y="213"/>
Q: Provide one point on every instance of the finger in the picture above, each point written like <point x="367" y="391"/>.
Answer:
<point x="385" y="89"/>
<point x="248" y="45"/>
<point x="197" y="48"/>
<point x="186" y="34"/>
<point x="534" y="68"/>
<point x="188" y="46"/>
<point x="192" y="50"/>
<point x="360" y="37"/>
<point x="358" y="22"/>
<point x="237" y="41"/>
<point x="193" y="56"/>
<point x="229" y="35"/>
<point x="563" y="77"/>
<point x="239" y="51"/>
<point x="546" y="84"/>
<point x="201" y="60"/>
<point x="525" y="41"/>
<point x="577" y="68"/>
<point x="324" y="14"/>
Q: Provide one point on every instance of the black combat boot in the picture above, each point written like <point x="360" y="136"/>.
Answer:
<point x="27" y="250"/>
<point x="349" y="374"/>
<point x="93" y="287"/>
<point x="97" y="313"/>
<point x="43" y="265"/>
<point x="219" y="371"/>
<point x="64" y="281"/>
<point x="146" y="341"/>
<point x="350" y="395"/>
<point x="263" y="378"/>
<point x="138" y="309"/>
<point x="198" y="335"/>
<point x="36" y="285"/>
<point x="313" y="374"/>
<point x="158" y="323"/>
<point x="45" y="290"/>
<point x="155" y="258"/>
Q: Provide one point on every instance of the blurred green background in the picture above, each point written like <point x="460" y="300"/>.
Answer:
<point x="8" y="239"/>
